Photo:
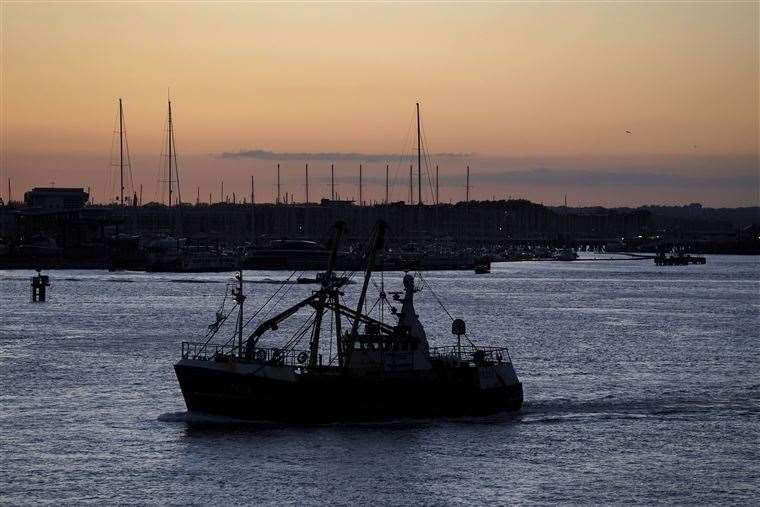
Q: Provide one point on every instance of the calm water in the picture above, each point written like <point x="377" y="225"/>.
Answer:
<point x="641" y="384"/>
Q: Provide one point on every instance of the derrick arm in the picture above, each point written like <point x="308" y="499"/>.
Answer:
<point x="272" y="323"/>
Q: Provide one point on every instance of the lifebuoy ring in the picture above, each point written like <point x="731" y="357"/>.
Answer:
<point x="302" y="357"/>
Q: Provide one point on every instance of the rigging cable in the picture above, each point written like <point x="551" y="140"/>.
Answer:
<point x="268" y="300"/>
<point x="129" y="160"/>
<point x="158" y="192"/>
<point x="110" y="179"/>
<point x="428" y="162"/>
<point x="440" y="303"/>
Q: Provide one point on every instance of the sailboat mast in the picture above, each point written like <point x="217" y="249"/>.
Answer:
<point x="386" y="183"/>
<point x="253" y="210"/>
<point x="361" y="198"/>
<point x="121" y="152"/>
<point x="332" y="181"/>
<point x="169" y="143"/>
<point x="467" y="190"/>
<point x="419" y="158"/>
<point x="411" y="186"/>
<point x="436" y="185"/>
<point x="278" y="184"/>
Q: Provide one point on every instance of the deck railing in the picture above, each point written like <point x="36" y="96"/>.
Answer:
<point x="229" y="353"/>
<point x="469" y="353"/>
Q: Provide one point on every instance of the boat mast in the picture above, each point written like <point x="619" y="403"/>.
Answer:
<point x="411" y="186"/>
<point x="278" y="184"/>
<point x="386" y="183"/>
<point x="361" y="201"/>
<point x="436" y="184"/>
<point x="467" y="190"/>
<point x="169" y="148"/>
<point x="121" y="151"/>
<point x="307" y="183"/>
<point x="320" y="306"/>
<point x="253" y="211"/>
<point x="376" y="245"/>
<point x="419" y="159"/>
<point x="237" y="293"/>
<point x="332" y="181"/>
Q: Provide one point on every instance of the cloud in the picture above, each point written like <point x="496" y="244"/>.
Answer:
<point x="330" y="156"/>
<point x="543" y="176"/>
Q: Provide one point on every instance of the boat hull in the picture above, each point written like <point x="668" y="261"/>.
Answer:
<point x="263" y="392"/>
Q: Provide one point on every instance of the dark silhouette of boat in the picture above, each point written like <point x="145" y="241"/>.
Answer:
<point x="379" y="369"/>
<point x="287" y="254"/>
<point x="678" y="259"/>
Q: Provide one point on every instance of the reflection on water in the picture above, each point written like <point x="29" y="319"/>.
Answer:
<point x="641" y="386"/>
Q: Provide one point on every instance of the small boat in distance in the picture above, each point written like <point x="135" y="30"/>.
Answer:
<point x="566" y="254"/>
<point x="376" y="367"/>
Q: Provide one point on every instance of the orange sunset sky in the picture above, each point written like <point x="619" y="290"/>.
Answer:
<point x="535" y="97"/>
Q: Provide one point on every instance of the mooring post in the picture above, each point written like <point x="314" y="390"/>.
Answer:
<point x="39" y="285"/>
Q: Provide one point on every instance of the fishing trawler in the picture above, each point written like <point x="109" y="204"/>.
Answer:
<point x="379" y="369"/>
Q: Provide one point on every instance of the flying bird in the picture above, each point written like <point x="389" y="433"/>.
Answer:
<point x="627" y="131"/>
